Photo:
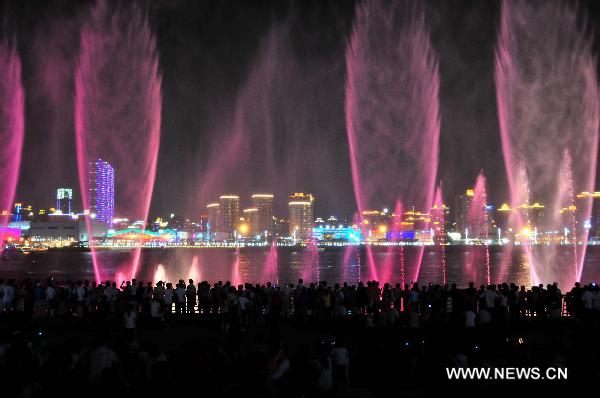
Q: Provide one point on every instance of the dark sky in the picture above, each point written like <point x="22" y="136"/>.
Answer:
<point x="214" y="57"/>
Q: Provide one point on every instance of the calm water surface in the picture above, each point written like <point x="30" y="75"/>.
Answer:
<point x="461" y="263"/>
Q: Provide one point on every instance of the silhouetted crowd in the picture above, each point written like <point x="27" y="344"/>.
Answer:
<point x="412" y="305"/>
<point x="239" y="336"/>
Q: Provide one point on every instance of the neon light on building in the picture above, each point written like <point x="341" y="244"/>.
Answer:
<point x="332" y="233"/>
<point x="101" y="191"/>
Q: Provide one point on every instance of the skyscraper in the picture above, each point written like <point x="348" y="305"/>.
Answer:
<point x="250" y="223"/>
<point x="461" y="210"/>
<point x="263" y="203"/>
<point x="229" y="214"/>
<point x="101" y="191"/>
<point x="301" y="216"/>
<point x="213" y="220"/>
<point x="64" y="197"/>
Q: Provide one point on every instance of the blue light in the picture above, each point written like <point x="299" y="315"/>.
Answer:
<point x="329" y="232"/>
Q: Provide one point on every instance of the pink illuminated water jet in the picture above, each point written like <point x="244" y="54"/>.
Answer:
<point x="236" y="278"/>
<point x="310" y="263"/>
<point x="438" y="217"/>
<point x="478" y="262"/>
<point x="194" y="272"/>
<point x="270" y="271"/>
<point x="391" y="252"/>
<point x="119" y="278"/>
<point x="12" y="127"/>
<point x="118" y="109"/>
<point x="548" y="106"/>
<point x="392" y="110"/>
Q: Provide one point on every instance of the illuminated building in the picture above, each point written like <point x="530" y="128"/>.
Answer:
<point x="374" y="217"/>
<point x="250" y="226"/>
<point x="281" y="227"/>
<point x="533" y="213"/>
<point x="17" y="216"/>
<point x="439" y="217"/>
<point x="137" y="235"/>
<point x="339" y="233"/>
<point x="301" y="208"/>
<point x="64" y="197"/>
<point x="21" y="212"/>
<point x="503" y="217"/>
<point x="461" y="210"/>
<point x="375" y="224"/>
<point x="42" y="215"/>
<point x="229" y="215"/>
<point x="101" y="191"/>
<point x="64" y="231"/>
<point x="212" y="221"/>
<point x="263" y="203"/>
<point x="416" y="225"/>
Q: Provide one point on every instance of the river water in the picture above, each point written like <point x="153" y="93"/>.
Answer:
<point x="461" y="263"/>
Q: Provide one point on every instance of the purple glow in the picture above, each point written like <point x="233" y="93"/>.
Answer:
<point x="549" y="111"/>
<point x="12" y="127"/>
<point x="118" y="108"/>
<point x="392" y="110"/>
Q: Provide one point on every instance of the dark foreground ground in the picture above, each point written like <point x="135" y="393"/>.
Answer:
<point x="196" y="357"/>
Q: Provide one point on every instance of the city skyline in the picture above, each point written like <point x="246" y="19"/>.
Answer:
<point x="192" y="120"/>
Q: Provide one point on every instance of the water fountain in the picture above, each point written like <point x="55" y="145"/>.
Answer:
<point x="12" y="127"/>
<point x="438" y="217"/>
<point x="392" y="110"/>
<point x="310" y="262"/>
<point x="160" y="274"/>
<point x="548" y="106"/>
<point x="236" y="278"/>
<point x="194" y="272"/>
<point x="478" y="259"/>
<point x="392" y="251"/>
<point x="118" y="111"/>
<point x="270" y="270"/>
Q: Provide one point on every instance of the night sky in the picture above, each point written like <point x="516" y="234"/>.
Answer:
<point x="214" y="56"/>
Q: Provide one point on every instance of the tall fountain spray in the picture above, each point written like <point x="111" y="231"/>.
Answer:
<point x="160" y="274"/>
<point x="194" y="272"/>
<point x="392" y="109"/>
<point x="12" y="127"/>
<point x="118" y="110"/>
<point x="438" y="218"/>
<point x="478" y="259"/>
<point x="395" y="236"/>
<point x="548" y="105"/>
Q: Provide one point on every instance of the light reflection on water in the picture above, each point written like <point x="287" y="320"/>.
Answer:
<point x="217" y="264"/>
